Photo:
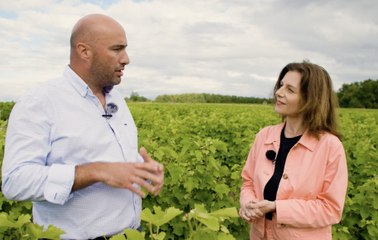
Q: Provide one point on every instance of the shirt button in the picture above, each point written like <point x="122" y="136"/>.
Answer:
<point x="285" y="176"/>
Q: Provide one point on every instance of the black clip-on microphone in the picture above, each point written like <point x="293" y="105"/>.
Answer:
<point x="271" y="155"/>
<point x="107" y="115"/>
<point x="110" y="108"/>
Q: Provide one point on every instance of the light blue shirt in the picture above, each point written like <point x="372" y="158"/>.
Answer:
<point x="55" y="127"/>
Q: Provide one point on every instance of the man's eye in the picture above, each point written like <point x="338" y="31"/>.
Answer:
<point x="120" y="48"/>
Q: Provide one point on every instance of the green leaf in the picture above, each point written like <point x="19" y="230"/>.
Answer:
<point x="52" y="232"/>
<point x="224" y="236"/>
<point x="211" y="222"/>
<point x="199" y="155"/>
<point x="224" y="229"/>
<point x="220" y="146"/>
<point x="121" y="237"/>
<point x="226" y="212"/>
<point x="200" y="214"/>
<point x="175" y="173"/>
<point x="221" y="189"/>
<point x="199" y="208"/>
<point x="133" y="234"/>
<point x="23" y="219"/>
<point x="160" y="217"/>
<point x="4" y="222"/>
<point x="160" y="236"/>
<point x="35" y="230"/>
<point x="189" y="184"/>
<point x="205" y="235"/>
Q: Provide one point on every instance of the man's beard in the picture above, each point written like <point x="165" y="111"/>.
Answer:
<point x="102" y="76"/>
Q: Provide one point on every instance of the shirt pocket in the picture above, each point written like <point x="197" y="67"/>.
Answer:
<point x="129" y="141"/>
<point x="131" y="135"/>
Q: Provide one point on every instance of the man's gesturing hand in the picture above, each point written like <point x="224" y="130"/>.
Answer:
<point x="157" y="178"/>
<point x="149" y="175"/>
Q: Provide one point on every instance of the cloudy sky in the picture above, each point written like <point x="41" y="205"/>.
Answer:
<point x="234" y="47"/>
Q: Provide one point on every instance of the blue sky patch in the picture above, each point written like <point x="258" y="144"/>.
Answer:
<point x="8" y="14"/>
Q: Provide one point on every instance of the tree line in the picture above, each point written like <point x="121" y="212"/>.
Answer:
<point x="353" y="95"/>
<point x="359" y="94"/>
<point x="210" y="98"/>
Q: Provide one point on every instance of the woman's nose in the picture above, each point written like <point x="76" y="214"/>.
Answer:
<point x="279" y="92"/>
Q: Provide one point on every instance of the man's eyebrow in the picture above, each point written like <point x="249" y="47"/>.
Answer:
<point x="119" y="46"/>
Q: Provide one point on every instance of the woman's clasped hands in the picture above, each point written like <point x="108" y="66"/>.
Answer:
<point x="254" y="210"/>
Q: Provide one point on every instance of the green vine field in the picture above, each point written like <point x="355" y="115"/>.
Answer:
<point x="203" y="148"/>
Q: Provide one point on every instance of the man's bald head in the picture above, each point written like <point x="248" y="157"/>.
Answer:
<point x="98" y="51"/>
<point x="89" y="28"/>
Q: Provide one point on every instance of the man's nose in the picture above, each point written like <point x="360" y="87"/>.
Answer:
<point x="125" y="58"/>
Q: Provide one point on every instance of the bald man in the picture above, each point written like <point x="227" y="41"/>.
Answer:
<point x="71" y="143"/>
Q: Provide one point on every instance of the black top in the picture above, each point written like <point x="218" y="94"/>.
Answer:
<point x="270" y="190"/>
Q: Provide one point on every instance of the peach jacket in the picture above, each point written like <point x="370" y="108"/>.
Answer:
<point x="311" y="193"/>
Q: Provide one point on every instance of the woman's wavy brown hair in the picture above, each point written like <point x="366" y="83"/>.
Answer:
<point x="318" y="102"/>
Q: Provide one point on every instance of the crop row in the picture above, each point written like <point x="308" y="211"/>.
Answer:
<point x="204" y="146"/>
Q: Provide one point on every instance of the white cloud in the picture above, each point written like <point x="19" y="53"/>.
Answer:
<point x="226" y="47"/>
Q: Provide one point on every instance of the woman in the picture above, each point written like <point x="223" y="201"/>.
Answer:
<point x="295" y="177"/>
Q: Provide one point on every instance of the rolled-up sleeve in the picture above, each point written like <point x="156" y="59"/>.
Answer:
<point x="59" y="183"/>
<point x="25" y="172"/>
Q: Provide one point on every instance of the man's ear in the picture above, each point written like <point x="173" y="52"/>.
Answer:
<point x="83" y="51"/>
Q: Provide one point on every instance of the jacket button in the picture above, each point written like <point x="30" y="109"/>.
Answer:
<point x="285" y="176"/>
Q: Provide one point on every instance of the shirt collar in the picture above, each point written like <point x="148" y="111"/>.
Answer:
<point x="79" y="85"/>
<point x="306" y="140"/>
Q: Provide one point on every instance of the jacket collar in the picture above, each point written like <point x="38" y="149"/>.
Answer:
<point x="306" y="140"/>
